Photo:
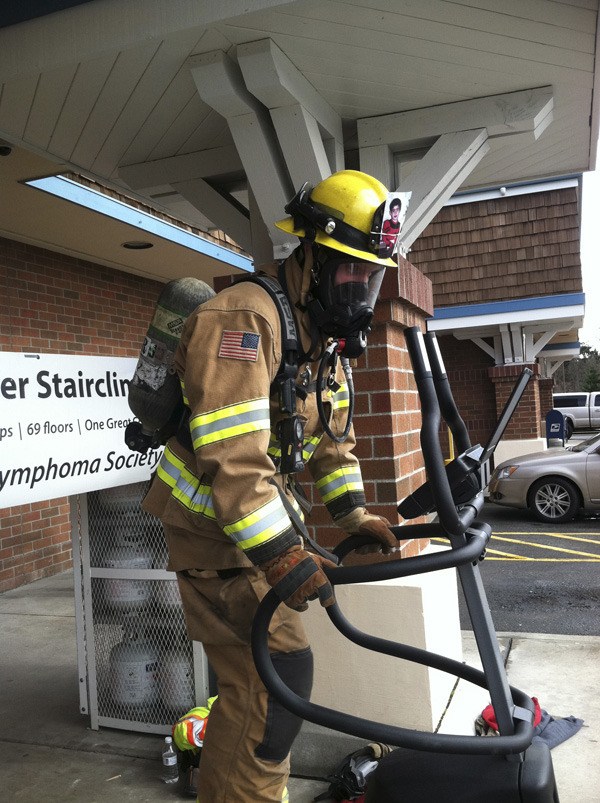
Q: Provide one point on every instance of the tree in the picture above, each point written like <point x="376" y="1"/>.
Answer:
<point x="572" y="374"/>
<point x="591" y="380"/>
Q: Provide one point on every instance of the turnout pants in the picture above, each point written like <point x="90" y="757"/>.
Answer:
<point x="245" y="758"/>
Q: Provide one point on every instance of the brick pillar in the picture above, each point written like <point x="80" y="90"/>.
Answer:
<point x="526" y="420"/>
<point x="387" y="416"/>
<point x="546" y="387"/>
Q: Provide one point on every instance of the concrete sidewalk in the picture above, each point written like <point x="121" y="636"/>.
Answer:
<point x="50" y="753"/>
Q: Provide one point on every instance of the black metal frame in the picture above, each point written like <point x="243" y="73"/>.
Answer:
<point x="468" y="537"/>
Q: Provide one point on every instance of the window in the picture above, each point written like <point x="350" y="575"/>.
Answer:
<point x="576" y="400"/>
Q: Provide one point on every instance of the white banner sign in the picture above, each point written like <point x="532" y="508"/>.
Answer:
<point x="62" y="426"/>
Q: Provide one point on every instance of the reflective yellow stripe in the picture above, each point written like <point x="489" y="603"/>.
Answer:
<point x="260" y="526"/>
<point x="274" y="449"/>
<point x="341" y="398"/>
<point x="230" y="421"/>
<point x="183" y="393"/>
<point x="285" y="798"/>
<point x="185" y="486"/>
<point x="309" y="446"/>
<point x="344" y="480"/>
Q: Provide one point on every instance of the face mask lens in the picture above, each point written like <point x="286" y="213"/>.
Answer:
<point x="357" y="283"/>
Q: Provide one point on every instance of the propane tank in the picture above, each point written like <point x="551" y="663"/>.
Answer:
<point x="117" y="520"/>
<point x="167" y="594"/>
<point x="154" y="392"/>
<point x="122" y="498"/>
<point x="177" y="680"/>
<point x="127" y="594"/>
<point x="134" y="669"/>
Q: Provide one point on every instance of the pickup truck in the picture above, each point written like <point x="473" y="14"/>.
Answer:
<point x="581" y="410"/>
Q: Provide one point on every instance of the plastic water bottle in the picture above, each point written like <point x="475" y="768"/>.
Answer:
<point x="170" y="770"/>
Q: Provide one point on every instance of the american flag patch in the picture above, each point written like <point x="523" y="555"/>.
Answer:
<point x="239" y="345"/>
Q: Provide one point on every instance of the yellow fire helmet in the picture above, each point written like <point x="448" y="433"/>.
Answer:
<point x="343" y="212"/>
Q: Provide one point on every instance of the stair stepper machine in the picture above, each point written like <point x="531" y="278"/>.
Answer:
<point x="434" y="767"/>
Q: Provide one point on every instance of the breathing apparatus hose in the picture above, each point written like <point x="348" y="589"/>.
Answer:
<point x="328" y="359"/>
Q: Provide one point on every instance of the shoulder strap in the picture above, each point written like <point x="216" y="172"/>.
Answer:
<point x="285" y="380"/>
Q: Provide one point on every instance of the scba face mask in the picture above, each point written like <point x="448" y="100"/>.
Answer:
<point x="344" y="296"/>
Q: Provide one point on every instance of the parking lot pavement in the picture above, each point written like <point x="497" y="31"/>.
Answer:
<point x="541" y="578"/>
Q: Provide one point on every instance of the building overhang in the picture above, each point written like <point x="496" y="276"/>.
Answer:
<point x="484" y="319"/>
<point x="516" y="331"/>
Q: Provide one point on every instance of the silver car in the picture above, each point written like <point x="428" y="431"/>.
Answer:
<point x="554" y="485"/>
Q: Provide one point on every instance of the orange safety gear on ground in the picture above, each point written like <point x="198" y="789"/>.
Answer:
<point x="189" y="730"/>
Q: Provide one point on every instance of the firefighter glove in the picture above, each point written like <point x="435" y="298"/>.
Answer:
<point x="359" y="522"/>
<point x="297" y="576"/>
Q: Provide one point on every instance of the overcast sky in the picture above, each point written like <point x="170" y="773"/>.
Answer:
<point x="590" y="259"/>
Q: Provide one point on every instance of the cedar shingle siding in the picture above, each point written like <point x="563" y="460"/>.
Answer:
<point x="513" y="247"/>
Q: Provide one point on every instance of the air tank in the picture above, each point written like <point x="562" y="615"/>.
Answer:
<point x="154" y="391"/>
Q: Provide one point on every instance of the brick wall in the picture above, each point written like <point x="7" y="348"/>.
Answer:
<point x="526" y="420"/>
<point x="546" y="401"/>
<point x="467" y="367"/>
<point x="513" y="247"/>
<point x="55" y="304"/>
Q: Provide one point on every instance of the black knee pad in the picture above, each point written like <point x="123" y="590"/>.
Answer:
<point x="281" y="726"/>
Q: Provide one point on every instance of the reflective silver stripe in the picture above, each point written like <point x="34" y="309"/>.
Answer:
<point x="341" y="398"/>
<point x="185" y="486"/>
<point x="261" y="525"/>
<point x="195" y="496"/>
<point x="344" y="480"/>
<point x="231" y="421"/>
<point x="169" y="467"/>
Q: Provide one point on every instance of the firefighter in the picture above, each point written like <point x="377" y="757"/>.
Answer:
<point x="223" y="502"/>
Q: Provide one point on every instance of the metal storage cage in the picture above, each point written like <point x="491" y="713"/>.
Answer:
<point x="137" y="668"/>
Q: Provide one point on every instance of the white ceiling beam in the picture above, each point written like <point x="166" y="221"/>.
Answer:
<point x="529" y="110"/>
<point x="550" y="366"/>
<point x="516" y="335"/>
<point x="460" y="133"/>
<point x="506" y="343"/>
<point x="201" y="164"/>
<point x="301" y="144"/>
<point x="301" y="116"/>
<point x="221" y="86"/>
<point x="533" y="347"/>
<point x="437" y="176"/>
<point x="225" y="215"/>
<point x="334" y="149"/>
<point x="262" y="247"/>
<point x="378" y="161"/>
<point x="277" y="82"/>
